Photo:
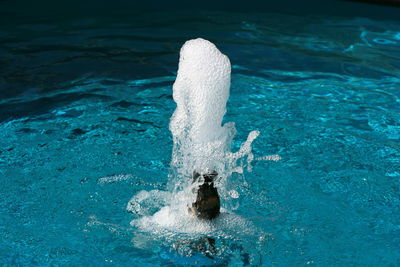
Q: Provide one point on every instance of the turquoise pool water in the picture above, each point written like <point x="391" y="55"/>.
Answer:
<point x="84" y="112"/>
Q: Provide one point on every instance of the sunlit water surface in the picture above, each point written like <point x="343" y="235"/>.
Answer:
<point x="84" y="116"/>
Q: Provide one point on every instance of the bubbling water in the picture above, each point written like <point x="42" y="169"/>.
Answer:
<point x="201" y="148"/>
<point x="201" y="91"/>
<point x="200" y="143"/>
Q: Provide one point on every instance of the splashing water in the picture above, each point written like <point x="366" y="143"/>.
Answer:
<point x="201" y="91"/>
<point x="202" y="144"/>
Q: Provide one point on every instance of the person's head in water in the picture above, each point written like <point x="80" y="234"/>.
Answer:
<point x="207" y="204"/>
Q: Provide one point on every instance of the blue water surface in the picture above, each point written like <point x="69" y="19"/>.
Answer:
<point x="84" y="112"/>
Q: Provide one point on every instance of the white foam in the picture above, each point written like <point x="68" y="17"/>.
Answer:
<point x="201" y="90"/>
<point x="201" y="143"/>
<point x="145" y="202"/>
<point x="175" y="218"/>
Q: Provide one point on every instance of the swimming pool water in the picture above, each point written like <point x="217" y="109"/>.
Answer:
<point x="84" y="112"/>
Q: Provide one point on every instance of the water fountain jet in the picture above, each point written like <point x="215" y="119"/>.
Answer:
<point x="201" y="142"/>
<point x="202" y="160"/>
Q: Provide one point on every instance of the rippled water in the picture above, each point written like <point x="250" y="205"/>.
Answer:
<point x="84" y="112"/>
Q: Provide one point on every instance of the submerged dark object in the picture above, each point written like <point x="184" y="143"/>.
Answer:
<point x="204" y="245"/>
<point x="207" y="204"/>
